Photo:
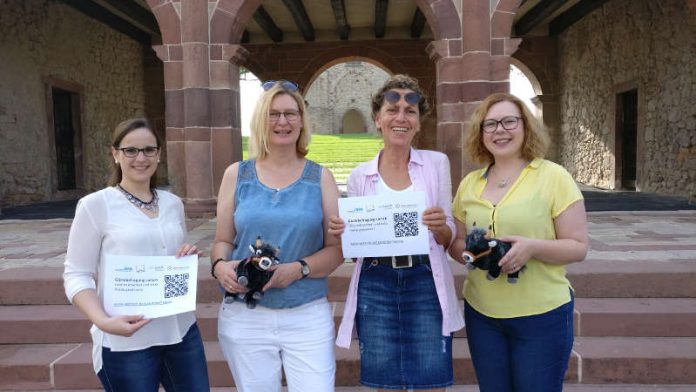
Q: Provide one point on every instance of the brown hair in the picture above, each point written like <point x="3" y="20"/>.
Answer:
<point x="121" y="130"/>
<point x="403" y="82"/>
<point x="536" y="138"/>
<point x="261" y="124"/>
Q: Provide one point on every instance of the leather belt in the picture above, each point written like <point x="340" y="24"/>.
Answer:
<point x="397" y="262"/>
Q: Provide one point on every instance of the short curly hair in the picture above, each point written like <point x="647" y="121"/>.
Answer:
<point x="403" y="82"/>
<point x="536" y="137"/>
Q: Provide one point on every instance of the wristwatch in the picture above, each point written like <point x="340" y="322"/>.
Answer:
<point x="305" y="268"/>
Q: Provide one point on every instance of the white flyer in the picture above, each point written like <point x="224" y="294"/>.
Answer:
<point x="384" y="225"/>
<point x="154" y="286"/>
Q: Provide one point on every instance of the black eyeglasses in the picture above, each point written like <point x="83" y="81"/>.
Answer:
<point x="132" y="152"/>
<point x="285" y="84"/>
<point x="393" y="97"/>
<point x="509" y="123"/>
<point x="290" y="116"/>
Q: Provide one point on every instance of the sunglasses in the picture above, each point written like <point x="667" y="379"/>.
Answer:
<point x="411" y="98"/>
<point x="285" y="84"/>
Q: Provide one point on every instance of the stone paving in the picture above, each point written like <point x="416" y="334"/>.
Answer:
<point x="622" y="236"/>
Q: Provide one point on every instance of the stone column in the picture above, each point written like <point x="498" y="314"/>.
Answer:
<point x="451" y="112"/>
<point x="202" y="106"/>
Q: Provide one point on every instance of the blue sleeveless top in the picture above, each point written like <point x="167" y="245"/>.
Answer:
<point x="290" y="218"/>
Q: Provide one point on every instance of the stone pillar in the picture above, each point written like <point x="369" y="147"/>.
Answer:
<point x="451" y="112"/>
<point x="202" y="106"/>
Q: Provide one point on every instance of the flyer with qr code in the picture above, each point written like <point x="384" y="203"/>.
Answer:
<point x="154" y="286"/>
<point x="384" y="225"/>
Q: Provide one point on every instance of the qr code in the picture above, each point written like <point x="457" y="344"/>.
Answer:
<point x="406" y="224"/>
<point x="175" y="285"/>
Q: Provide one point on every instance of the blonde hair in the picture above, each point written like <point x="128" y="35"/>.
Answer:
<point x="536" y="138"/>
<point x="261" y="125"/>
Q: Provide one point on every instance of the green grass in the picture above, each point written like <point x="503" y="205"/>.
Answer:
<point x="339" y="153"/>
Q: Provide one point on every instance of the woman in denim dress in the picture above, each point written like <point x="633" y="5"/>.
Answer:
<point x="404" y="307"/>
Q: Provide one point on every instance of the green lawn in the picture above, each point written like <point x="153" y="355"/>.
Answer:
<point x="339" y="153"/>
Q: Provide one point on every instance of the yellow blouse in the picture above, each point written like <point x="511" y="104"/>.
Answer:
<point x="541" y="193"/>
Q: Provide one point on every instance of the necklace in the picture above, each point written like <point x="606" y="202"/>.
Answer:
<point x="151" y="205"/>
<point x="502" y="183"/>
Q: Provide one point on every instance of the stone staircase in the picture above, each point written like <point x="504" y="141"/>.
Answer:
<point x="635" y="326"/>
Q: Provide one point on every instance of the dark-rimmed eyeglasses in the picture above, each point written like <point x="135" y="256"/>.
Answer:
<point x="285" y="84"/>
<point x="508" y="123"/>
<point x="290" y="116"/>
<point x="132" y="152"/>
<point x="411" y="98"/>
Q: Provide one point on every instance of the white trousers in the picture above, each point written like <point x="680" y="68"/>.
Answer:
<point x="258" y="342"/>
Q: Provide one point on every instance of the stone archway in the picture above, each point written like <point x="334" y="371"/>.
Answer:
<point x="467" y="59"/>
<point x="353" y="122"/>
<point x="345" y="85"/>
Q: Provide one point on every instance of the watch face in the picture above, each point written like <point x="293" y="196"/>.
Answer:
<point x="305" y="269"/>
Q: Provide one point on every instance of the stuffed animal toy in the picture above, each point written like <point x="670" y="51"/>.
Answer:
<point x="484" y="252"/>
<point x="253" y="272"/>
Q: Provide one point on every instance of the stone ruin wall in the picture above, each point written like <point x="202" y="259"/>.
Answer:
<point x="340" y="89"/>
<point x="44" y="38"/>
<point x="648" y="45"/>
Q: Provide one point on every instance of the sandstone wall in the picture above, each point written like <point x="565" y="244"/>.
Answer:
<point x="45" y="38"/>
<point x="648" y="45"/>
<point x="340" y="89"/>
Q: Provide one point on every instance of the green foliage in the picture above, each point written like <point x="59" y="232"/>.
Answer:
<point x="339" y="153"/>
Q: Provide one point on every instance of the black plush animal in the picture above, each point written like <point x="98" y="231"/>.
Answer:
<point x="253" y="272"/>
<point x="484" y="252"/>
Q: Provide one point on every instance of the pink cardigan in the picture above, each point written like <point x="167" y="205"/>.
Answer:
<point x="430" y="173"/>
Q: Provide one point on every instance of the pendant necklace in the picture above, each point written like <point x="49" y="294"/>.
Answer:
<point x="502" y="183"/>
<point x="151" y="205"/>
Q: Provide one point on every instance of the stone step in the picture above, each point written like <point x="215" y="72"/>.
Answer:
<point x="591" y="279"/>
<point x="608" y="360"/>
<point x="638" y="317"/>
<point x="474" y="388"/>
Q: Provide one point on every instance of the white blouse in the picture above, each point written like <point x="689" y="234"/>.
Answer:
<point x="107" y="223"/>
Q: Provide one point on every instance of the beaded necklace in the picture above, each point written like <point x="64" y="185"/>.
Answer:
<point x="151" y="205"/>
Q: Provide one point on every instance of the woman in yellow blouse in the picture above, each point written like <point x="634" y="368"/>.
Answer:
<point x="520" y="335"/>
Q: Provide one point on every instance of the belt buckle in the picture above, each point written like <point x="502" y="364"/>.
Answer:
<point x="402" y="262"/>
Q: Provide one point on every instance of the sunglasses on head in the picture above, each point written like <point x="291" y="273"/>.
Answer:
<point x="285" y="84"/>
<point x="411" y="98"/>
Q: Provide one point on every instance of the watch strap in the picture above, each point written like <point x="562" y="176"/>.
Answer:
<point x="304" y="268"/>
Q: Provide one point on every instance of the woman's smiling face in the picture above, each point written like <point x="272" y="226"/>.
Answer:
<point x="504" y="143"/>
<point x="400" y="121"/>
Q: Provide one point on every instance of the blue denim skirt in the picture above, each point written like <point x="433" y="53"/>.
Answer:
<point x="399" y="324"/>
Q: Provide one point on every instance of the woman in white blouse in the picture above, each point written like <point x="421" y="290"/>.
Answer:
<point x="131" y="217"/>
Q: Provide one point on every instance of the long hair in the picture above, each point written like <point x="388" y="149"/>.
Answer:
<point x="536" y="138"/>
<point x="121" y="130"/>
<point x="260" y="123"/>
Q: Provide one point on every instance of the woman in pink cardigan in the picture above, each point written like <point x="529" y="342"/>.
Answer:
<point x="404" y="307"/>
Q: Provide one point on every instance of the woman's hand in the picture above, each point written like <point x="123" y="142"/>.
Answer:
<point x="521" y="251"/>
<point x="284" y="275"/>
<point x="186" y="249"/>
<point x="436" y="221"/>
<point x="336" y="226"/>
<point x="434" y="218"/>
<point x="123" y="325"/>
<point x="227" y="276"/>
